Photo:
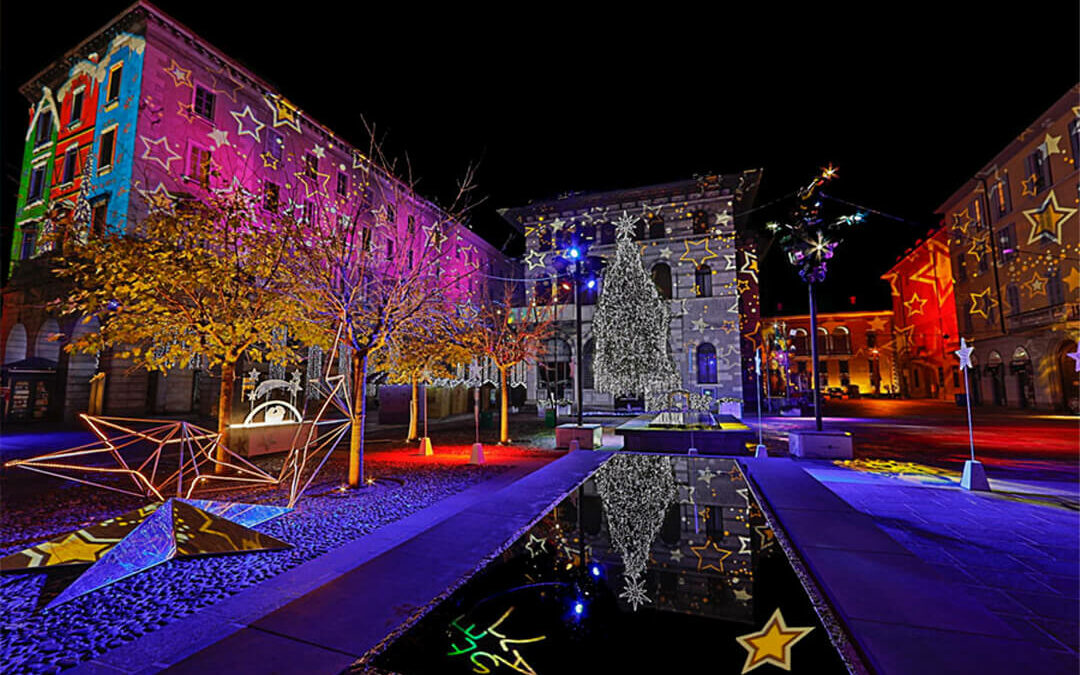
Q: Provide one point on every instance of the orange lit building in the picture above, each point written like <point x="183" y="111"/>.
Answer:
<point x="1014" y="238"/>
<point x="924" y="320"/>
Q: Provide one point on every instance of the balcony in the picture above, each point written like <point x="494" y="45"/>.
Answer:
<point x="1046" y="316"/>
<point x="828" y="345"/>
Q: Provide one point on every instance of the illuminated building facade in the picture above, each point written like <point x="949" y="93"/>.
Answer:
<point x="856" y="352"/>
<point x="924" y="320"/>
<point x="693" y="243"/>
<point x="161" y="115"/>
<point x="1014" y="239"/>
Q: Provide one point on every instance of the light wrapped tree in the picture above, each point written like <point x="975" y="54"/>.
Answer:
<point x="631" y="326"/>
<point x="508" y="336"/>
<point x="196" y="277"/>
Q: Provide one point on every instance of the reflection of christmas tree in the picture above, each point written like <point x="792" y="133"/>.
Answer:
<point x="635" y="492"/>
<point x="631" y="326"/>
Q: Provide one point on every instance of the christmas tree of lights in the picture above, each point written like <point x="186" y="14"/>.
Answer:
<point x="631" y="325"/>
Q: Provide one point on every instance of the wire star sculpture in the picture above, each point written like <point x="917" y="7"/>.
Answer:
<point x="634" y="593"/>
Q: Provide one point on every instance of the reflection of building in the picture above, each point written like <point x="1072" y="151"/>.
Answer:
<point x="161" y="115"/>
<point x="691" y="238"/>
<point x="855" y="349"/>
<point x="924" y="320"/>
<point x="1014" y="238"/>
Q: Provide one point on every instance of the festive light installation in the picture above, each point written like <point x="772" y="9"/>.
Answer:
<point x="772" y="644"/>
<point x="635" y="493"/>
<point x="631" y="326"/>
<point x="173" y="458"/>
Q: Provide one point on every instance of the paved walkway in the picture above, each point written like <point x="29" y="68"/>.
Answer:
<point x="322" y="616"/>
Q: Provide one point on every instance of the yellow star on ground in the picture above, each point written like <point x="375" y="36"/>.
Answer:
<point x="911" y="307"/>
<point x="772" y="644"/>
<point x="1046" y="221"/>
<point x="982" y="303"/>
<point x="73" y="549"/>
<point x="702" y="565"/>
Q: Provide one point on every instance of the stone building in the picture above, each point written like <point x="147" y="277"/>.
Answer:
<point x="856" y="352"/>
<point x="1014" y="239"/>
<point x="693" y="242"/>
<point x="161" y="115"/>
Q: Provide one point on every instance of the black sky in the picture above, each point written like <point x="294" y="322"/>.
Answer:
<point x="907" y="101"/>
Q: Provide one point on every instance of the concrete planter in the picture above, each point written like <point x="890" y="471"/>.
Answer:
<point x="265" y="440"/>
<point x="731" y="408"/>
<point x="588" y="436"/>
<point x="821" y="444"/>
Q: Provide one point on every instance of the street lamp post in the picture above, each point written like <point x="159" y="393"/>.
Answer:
<point x="579" y="385"/>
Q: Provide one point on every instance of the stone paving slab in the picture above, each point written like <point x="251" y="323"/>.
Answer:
<point x="353" y="612"/>
<point x="904" y="613"/>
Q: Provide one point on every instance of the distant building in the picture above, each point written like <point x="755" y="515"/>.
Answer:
<point x="856" y="352"/>
<point x="162" y="115"/>
<point x="1014" y="238"/>
<point x="924" y="320"/>
<point x="693" y="244"/>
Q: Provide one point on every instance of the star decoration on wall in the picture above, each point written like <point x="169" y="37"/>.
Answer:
<point x="742" y="596"/>
<point x="877" y="324"/>
<point x="312" y="184"/>
<point x="159" y="199"/>
<point x="535" y="546"/>
<point x="676" y="554"/>
<point x="744" y="546"/>
<point x="534" y="259"/>
<point x="220" y="137"/>
<point x="1072" y="279"/>
<point x="634" y="593"/>
<point x="435" y="236"/>
<point x="915" y="304"/>
<point x="710" y="562"/>
<point x="978" y="248"/>
<point x="223" y="83"/>
<point x="706" y="476"/>
<point x="665" y="253"/>
<point x="1029" y="187"/>
<point x="1075" y="356"/>
<point x="699" y="325"/>
<point x="734" y="309"/>
<point x="319" y="151"/>
<point x="285" y="113"/>
<point x="253" y="125"/>
<point x="1051" y="146"/>
<point x="159" y="151"/>
<point x="186" y="111"/>
<point x="964" y="354"/>
<point x="269" y="161"/>
<point x="891" y="277"/>
<point x="742" y="285"/>
<point x="1036" y="285"/>
<point x="1046" y="221"/>
<point x="723" y="218"/>
<point x="180" y="76"/>
<point x="982" y="303"/>
<point x="772" y="644"/>
<point x="750" y="265"/>
<point x="962" y="220"/>
<point x="695" y="248"/>
<point x="557" y="224"/>
<point x="729" y="260"/>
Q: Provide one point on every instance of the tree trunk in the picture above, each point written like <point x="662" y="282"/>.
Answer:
<point x="413" y="411"/>
<point x="504" y="408"/>
<point x="356" y="439"/>
<point x="225" y="400"/>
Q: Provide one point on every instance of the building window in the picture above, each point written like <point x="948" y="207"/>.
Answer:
<point x="391" y="214"/>
<point x="961" y="271"/>
<point x="823" y="373"/>
<point x="1038" y="166"/>
<point x="1012" y="296"/>
<point x="706" y="364"/>
<point x="984" y="260"/>
<point x="199" y="166"/>
<point x="661" y="276"/>
<point x="1007" y="243"/>
<point x="871" y="339"/>
<point x="70" y="157"/>
<point x="29" y="243"/>
<point x="76" y="106"/>
<point x="703" y="281"/>
<point x="275" y="144"/>
<point x="271" y="192"/>
<point x="999" y="194"/>
<point x="204" y="102"/>
<point x="411" y="227"/>
<point x="37" y="184"/>
<point x="956" y="377"/>
<point x="342" y="184"/>
<point x="1055" y="289"/>
<point x="106" y="148"/>
<point x="841" y="340"/>
<point x="43" y="134"/>
<point x="311" y="164"/>
<point x="1074" y="139"/>
<point x="968" y="326"/>
<point x="845" y="373"/>
<point x="915" y="377"/>
<point x="657" y="230"/>
<point x="700" y="222"/>
<point x="389" y="249"/>
<point x="588" y="379"/>
<point x="97" y="217"/>
<point x="115" y="78"/>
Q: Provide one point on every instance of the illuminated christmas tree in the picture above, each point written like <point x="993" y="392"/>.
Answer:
<point x="632" y="326"/>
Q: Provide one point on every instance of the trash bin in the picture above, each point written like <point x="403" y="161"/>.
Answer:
<point x="961" y="400"/>
<point x="487" y="419"/>
<point x="549" y="418"/>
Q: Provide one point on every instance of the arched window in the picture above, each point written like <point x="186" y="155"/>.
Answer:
<point x="661" y="276"/>
<point x="1012" y="296"/>
<point x="706" y="364"/>
<point x="15" y="348"/>
<point x="841" y="340"/>
<point x="656" y="226"/>
<point x="703" y="281"/>
<point x="822" y="340"/>
<point x="800" y="341"/>
<point x="587" y="351"/>
<point x="700" y="221"/>
<point x="47" y="346"/>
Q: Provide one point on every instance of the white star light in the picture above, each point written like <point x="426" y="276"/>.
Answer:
<point x="159" y="151"/>
<point x="723" y="218"/>
<point x="634" y="593"/>
<point x="318" y="151"/>
<point x="706" y="475"/>
<point x="533" y="541"/>
<point x="220" y="137"/>
<point x="534" y="259"/>
<point x="699" y="325"/>
<point x="676" y="554"/>
<point x="964" y="353"/>
<point x="665" y="252"/>
<point x="624" y="225"/>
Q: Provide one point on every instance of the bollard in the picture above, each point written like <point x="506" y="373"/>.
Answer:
<point x="477" y="456"/>
<point x="425" y="447"/>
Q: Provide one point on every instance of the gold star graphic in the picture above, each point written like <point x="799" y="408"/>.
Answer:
<point x="269" y="161"/>
<point x="285" y="113"/>
<point x="1046" y="221"/>
<point x="911" y="307"/>
<point x="772" y="644"/>
<point x="1029" y="186"/>
<point x="891" y="277"/>
<point x="180" y="76"/>
<point x="978" y="248"/>
<point x="961" y="220"/>
<point x="1051" y="145"/>
<point x="982" y="303"/>
<point x="1035" y="285"/>
<point x="690" y="256"/>
<point x="877" y="324"/>
<point x="73" y="549"/>
<point x="717" y="565"/>
<point x="1072" y="280"/>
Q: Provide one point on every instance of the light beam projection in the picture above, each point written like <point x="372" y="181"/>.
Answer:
<point x="159" y="457"/>
<point x="138" y="540"/>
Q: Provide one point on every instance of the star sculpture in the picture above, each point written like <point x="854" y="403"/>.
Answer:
<point x="699" y="325"/>
<point x="180" y="76"/>
<point x="159" y="151"/>
<point x="247" y="123"/>
<point x="964" y="354"/>
<point x="1075" y="356"/>
<point x="982" y="303"/>
<point x="772" y="644"/>
<point x="634" y="593"/>
<point x="710" y="563"/>
<point x="534" y="259"/>
<point x="625" y="225"/>
<point x="1047" y="219"/>
<point x="915" y="304"/>
<point x="693" y="250"/>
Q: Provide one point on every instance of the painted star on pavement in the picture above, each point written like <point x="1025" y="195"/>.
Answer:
<point x="772" y="644"/>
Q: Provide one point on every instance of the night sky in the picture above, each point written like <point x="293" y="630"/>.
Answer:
<point x="907" y="102"/>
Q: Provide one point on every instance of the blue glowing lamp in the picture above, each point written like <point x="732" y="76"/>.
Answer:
<point x="595" y="570"/>
<point x="579" y="608"/>
<point x="574" y="253"/>
<point x="591" y="283"/>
